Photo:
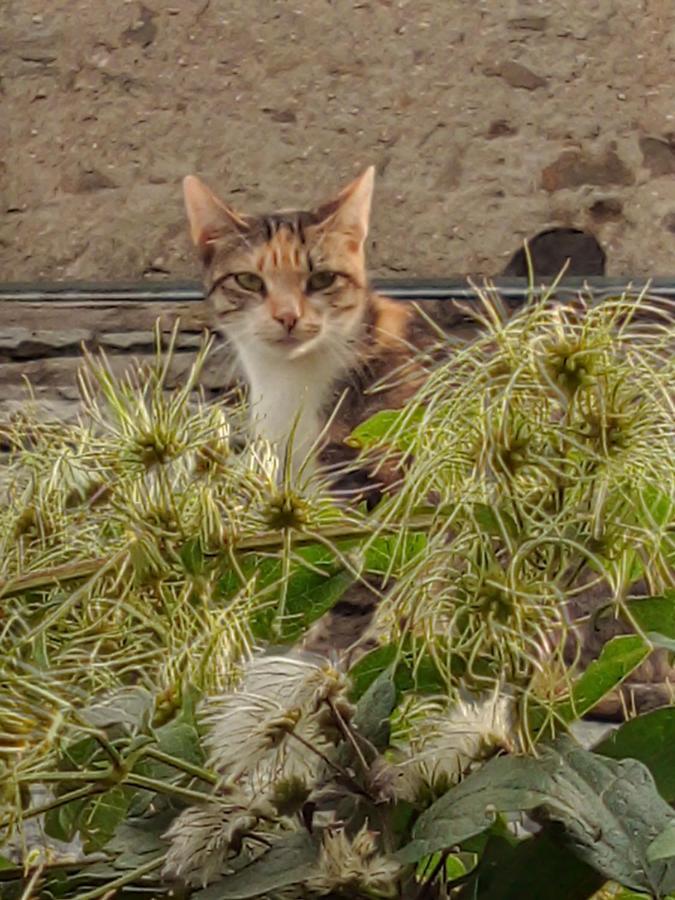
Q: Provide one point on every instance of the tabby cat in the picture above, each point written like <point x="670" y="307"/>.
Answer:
<point x="290" y="292"/>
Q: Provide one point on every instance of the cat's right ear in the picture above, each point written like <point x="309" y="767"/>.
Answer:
<point x="208" y="216"/>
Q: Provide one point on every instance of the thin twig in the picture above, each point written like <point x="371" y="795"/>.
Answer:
<point x="336" y="767"/>
<point x="127" y="878"/>
<point x="163" y="787"/>
<point x="274" y="539"/>
<point x="183" y="765"/>
<point x="87" y="791"/>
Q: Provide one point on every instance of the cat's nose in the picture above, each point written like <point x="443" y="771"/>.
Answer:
<point x="287" y="319"/>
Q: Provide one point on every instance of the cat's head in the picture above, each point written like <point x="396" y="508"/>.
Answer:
<point x="288" y="284"/>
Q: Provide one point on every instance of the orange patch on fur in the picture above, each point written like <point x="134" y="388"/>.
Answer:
<point x="391" y="323"/>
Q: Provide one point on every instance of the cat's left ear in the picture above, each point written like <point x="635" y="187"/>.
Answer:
<point x="350" y="210"/>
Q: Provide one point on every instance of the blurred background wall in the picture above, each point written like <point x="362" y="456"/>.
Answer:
<point x="488" y="122"/>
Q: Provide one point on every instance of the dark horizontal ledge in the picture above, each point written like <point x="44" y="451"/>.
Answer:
<point x="512" y="289"/>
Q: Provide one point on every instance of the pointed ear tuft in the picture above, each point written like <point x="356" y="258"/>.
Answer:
<point x="350" y="210"/>
<point x="208" y="216"/>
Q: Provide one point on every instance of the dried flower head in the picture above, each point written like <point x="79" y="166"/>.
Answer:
<point x="445" y="739"/>
<point x="270" y="725"/>
<point x="204" y="838"/>
<point x="354" y="864"/>
<point x="302" y="682"/>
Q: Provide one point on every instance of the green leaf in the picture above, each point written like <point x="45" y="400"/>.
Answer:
<point x="610" y="810"/>
<point x="62" y="822"/>
<point x="290" y="861"/>
<point x="657" y="507"/>
<point x="424" y="678"/>
<point x="308" y="598"/>
<point x="181" y="740"/>
<point x="395" y="427"/>
<point x="650" y="738"/>
<point x="101" y="817"/>
<point x="662" y="847"/>
<point x="128" y="707"/>
<point x="371" y="717"/>
<point x="618" y="658"/>
<point x="80" y="754"/>
<point x="495" y="521"/>
<point x="656" y="617"/>
<point x="541" y="866"/>
<point x="393" y="552"/>
<point x="136" y="841"/>
<point x="312" y="589"/>
<point x="192" y="557"/>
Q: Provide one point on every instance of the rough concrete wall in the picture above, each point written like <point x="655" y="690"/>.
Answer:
<point x="488" y="121"/>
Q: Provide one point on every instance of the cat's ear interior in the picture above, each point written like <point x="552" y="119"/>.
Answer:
<point x="350" y="210"/>
<point x="208" y="216"/>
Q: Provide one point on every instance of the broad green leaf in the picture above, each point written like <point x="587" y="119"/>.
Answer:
<point x="541" y="866"/>
<point x="101" y="817"/>
<point x="62" y="822"/>
<point x="650" y="738"/>
<point x="662" y="847"/>
<point x="192" y="557"/>
<point x="425" y="678"/>
<point x="454" y="867"/>
<point x="6" y="863"/>
<point x="610" y="810"/>
<point x="371" y="718"/>
<point x="126" y="707"/>
<point x="312" y="589"/>
<point x="393" y="552"/>
<point x="136" y="841"/>
<point x="181" y="740"/>
<point x="618" y="658"/>
<point x="495" y="521"/>
<point x="656" y="617"/>
<point x="96" y="818"/>
<point x="394" y="427"/>
<point x="657" y="508"/>
<point x="544" y="860"/>
<point x="80" y="754"/>
<point x="291" y="860"/>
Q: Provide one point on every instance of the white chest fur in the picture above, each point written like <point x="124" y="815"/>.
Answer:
<point x="287" y="398"/>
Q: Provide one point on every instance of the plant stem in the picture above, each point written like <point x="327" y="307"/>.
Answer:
<point x="162" y="787"/>
<point x="34" y="878"/>
<point x="274" y="539"/>
<point x="15" y="873"/>
<point x="332" y="765"/>
<point x="66" y="572"/>
<point x="127" y="878"/>
<point x="425" y="887"/>
<point x="87" y="791"/>
<point x="348" y="734"/>
<point x="92" y="775"/>
<point x="183" y="765"/>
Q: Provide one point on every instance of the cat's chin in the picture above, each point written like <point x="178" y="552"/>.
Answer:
<point x="291" y="348"/>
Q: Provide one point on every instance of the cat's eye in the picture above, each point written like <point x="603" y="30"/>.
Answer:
<point x="249" y="281"/>
<point x="320" y="281"/>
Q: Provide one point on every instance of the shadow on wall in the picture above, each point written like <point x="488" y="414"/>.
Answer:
<point x="551" y="249"/>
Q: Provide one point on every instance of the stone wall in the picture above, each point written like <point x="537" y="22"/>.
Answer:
<point x="488" y="121"/>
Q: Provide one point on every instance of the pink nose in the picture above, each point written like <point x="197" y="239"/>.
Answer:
<point x="287" y="319"/>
